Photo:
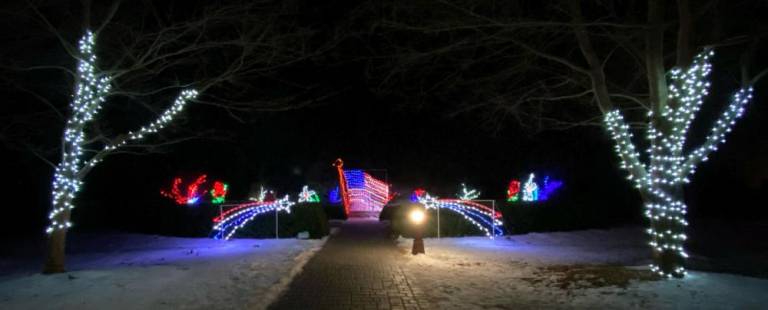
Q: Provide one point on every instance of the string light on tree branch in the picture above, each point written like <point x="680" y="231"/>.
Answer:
<point x="91" y="91"/>
<point x="668" y="167"/>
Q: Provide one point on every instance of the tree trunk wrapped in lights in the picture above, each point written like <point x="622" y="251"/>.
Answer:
<point x="495" y="54"/>
<point x="660" y="180"/>
<point x="91" y="90"/>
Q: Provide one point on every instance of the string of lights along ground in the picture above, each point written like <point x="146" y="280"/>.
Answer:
<point x="91" y="92"/>
<point x="667" y="166"/>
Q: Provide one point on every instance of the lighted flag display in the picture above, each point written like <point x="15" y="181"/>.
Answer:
<point x="360" y="192"/>
<point x="366" y="193"/>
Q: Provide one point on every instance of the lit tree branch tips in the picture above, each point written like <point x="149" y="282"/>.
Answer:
<point x="91" y="91"/>
<point x="668" y="166"/>
<point x="719" y="130"/>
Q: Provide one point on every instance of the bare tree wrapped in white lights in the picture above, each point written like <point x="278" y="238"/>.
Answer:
<point x="590" y="66"/>
<point x="668" y="166"/>
<point x="91" y="91"/>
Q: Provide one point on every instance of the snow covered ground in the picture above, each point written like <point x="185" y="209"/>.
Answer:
<point x="592" y="269"/>
<point x="121" y="271"/>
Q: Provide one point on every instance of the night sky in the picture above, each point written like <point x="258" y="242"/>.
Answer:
<point x="419" y="145"/>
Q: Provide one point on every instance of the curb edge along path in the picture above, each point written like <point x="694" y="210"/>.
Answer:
<point x="356" y="269"/>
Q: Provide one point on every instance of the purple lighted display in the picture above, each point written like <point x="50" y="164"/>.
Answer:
<point x="333" y="196"/>
<point x="549" y="188"/>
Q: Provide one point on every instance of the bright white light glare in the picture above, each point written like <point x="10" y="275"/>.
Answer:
<point x="416" y="216"/>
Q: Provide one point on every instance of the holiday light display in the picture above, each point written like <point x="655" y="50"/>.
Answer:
<point x="417" y="194"/>
<point x="264" y="195"/>
<point x="361" y="192"/>
<point x="192" y="194"/>
<point x="668" y="167"/>
<point x="219" y="192"/>
<point x="333" y="196"/>
<point x="366" y="193"/>
<point x="513" y="191"/>
<point x="530" y="189"/>
<point x="229" y="222"/>
<point x="468" y="194"/>
<point x="548" y="188"/>
<point x="339" y="164"/>
<point x="91" y="91"/>
<point x="482" y="217"/>
<point x="308" y="195"/>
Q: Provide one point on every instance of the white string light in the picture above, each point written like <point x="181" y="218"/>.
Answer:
<point x="308" y="195"/>
<point x="668" y="167"/>
<point x="467" y="193"/>
<point x="91" y="91"/>
<point x="263" y="192"/>
<point x="530" y="189"/>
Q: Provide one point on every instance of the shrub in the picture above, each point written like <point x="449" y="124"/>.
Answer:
<point x="559" y="215"/>
<point x="334" y="212"/>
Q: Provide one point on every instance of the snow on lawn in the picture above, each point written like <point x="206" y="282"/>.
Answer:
<point x="582" y="269"/>
<point x="152" y="272"/>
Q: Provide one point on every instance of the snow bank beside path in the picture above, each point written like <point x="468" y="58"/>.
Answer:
<point x="152" y="272"/>
<point x="582" y="270"/>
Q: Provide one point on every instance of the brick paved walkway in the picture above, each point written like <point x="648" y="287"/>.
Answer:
<point x="356" y="269"/>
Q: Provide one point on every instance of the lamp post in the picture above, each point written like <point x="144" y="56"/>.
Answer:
<point x="417" y="216"/>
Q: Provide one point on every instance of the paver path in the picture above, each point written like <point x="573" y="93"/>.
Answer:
<point x="356" y="269"/>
